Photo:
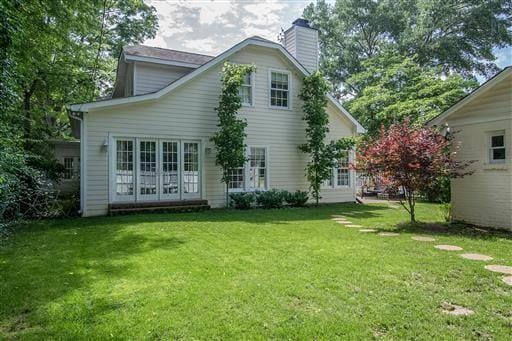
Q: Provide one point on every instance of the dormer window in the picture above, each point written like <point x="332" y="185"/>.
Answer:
<point x="279" y="89"/>
<point x="497" y="149"/>
<point x="245" y="90"/>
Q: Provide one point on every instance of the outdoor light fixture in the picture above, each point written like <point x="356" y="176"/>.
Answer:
<point x="104" y="146"/>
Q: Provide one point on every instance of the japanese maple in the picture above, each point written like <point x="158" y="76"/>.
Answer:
<point x="409" y="158"/>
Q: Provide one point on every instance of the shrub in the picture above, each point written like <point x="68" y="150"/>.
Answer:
<point x="242" y="201"/>
<point x="271" y="199"/>
<point x="297" y="199"/>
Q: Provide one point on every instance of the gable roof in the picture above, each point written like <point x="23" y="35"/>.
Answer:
<point x="166" y="54"/>
<point x="471" y="96"/>
<point x="256" y="41"/>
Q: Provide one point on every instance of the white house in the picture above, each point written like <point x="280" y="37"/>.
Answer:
<point x="150" y="143"/>
<point x="481" y="124"/>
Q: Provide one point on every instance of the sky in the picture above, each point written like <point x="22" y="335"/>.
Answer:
<point x="213" y="26"/>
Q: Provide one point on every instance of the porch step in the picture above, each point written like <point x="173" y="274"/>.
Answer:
<point x="160" y="206"/>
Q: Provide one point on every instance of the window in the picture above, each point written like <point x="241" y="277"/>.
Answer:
<point x="342" y="172"/>
<point x="236" y="179"/>
<point x="253" y="176"/>
<point x="245" y="90"/>
<point x="69" y="168"/>
<point x="124" y="167"/>
<point x="497" y="150"/>
<point x="257" y="168"/>
<point x="279" y="89"/>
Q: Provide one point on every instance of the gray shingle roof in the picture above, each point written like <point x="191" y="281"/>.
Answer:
<point x="167" y="54"/>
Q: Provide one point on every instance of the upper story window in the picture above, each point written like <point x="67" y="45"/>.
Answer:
<point x="245" y="90"/>
<point x="279" y="89"/>
<point x="497" y="151"/>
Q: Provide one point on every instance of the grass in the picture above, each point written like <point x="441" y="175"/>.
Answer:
<point x="289" y="273"/>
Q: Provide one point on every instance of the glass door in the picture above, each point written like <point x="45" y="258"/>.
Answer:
<point x="170" y="170"/>
<point x="147" y="170"/>
<point x="124" y="170"/>
<point x="190" y="171"/>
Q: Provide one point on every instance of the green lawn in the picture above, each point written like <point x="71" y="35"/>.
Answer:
<point x="289" y="273"/>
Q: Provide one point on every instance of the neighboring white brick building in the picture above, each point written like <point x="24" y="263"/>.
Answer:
<point x="482" y="126"/>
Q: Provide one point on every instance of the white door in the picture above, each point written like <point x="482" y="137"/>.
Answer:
<point x="124" y="170"/>
<point x="170" y="184"/>
<point x="191" y="176"/>
<point x="147" y="177"/>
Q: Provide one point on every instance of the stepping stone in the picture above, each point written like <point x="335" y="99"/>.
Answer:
<point x="389" y="234"/>
<point x="475" y="256"/>
<point x="353" y="225"/>
<point x="367" y="230"/>
<point x="423" y="239"/>
<point x="507" y="270"/>
<point x="338" y="216"/>
<point x="457" y="310"/>
<point x="339" y="219"/>
<point x="448" y="247"/>
<point x="343" y="222"/>
<point x="507" y="280"/>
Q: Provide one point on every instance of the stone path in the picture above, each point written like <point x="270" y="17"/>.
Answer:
<point x="507" y="270"/>
<point x="448" y="247"/>
<point x="423" y="239"/>
<point x="453" y="309"/>
<point x="353" y="225"/>
<point x="476" y="256"/>
<point x="367" y="230"/>
<point x="338" y="216"/>
<point x="507" y="280"/>
<point x="388" y="234"/>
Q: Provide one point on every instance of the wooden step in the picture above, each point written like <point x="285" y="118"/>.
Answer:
<point x="160" y="206"/>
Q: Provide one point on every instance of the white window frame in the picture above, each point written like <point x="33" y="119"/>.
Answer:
<point x="270" y="71"/>
<point x="247" y="168"/>
<point x="334" y="175"/>
<point x="491" y="148"/>
<point x="251" y="77"/>
<point x="73" y="169"/>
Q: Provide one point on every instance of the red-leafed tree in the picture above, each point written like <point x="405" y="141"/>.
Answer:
<point x="409" y="158"/>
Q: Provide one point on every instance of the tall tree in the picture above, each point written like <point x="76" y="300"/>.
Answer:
<point x="392" y="87"/>
<point x="230" y="139"/>
<point x="458" y="36"/>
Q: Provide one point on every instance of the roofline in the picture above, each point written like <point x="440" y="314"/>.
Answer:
<point x="470" y="97"/>
<point x="154" y="60"/>
<point x="85" y="107"/>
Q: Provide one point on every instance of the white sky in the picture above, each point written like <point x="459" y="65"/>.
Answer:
<point x="213" y="26"/>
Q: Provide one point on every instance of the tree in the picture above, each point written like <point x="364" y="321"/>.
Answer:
<point x="393" y="87"/>
<point x="456" y="36"/>
<point x="230" y="139"/>
<point x="322" y="155"/>
<point x="409" y="158"/>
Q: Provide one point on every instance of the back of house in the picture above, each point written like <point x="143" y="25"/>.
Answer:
<point x="150" y="142"/>
<point x="481" y="125"/>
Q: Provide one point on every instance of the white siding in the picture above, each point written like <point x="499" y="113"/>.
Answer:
<point x="151" y="78"/>
<point x="302" y="43"/>
<point x="485" y="197"/>
<point x="188" y="112"/>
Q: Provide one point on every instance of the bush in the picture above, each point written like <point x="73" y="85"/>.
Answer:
<point x="271" y="199"/>
<point x="242" y="201"/>
<point x="297" y="199"/>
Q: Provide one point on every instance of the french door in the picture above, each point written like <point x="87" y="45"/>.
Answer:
<point x="147" y="169"/>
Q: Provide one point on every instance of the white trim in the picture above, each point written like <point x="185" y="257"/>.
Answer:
<point x="490" y="148"/>
<point x="246" y="168"/>
<point x="473" y="95"/>
<point x="83" y="165"/>
<point x="86" y="107"/>
<point x="269" y="88"/>
<point x="134" y="80"/>
<point x="154" y="60"/>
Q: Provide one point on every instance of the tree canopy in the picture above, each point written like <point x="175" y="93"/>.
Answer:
<point x="455" y="36"/>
